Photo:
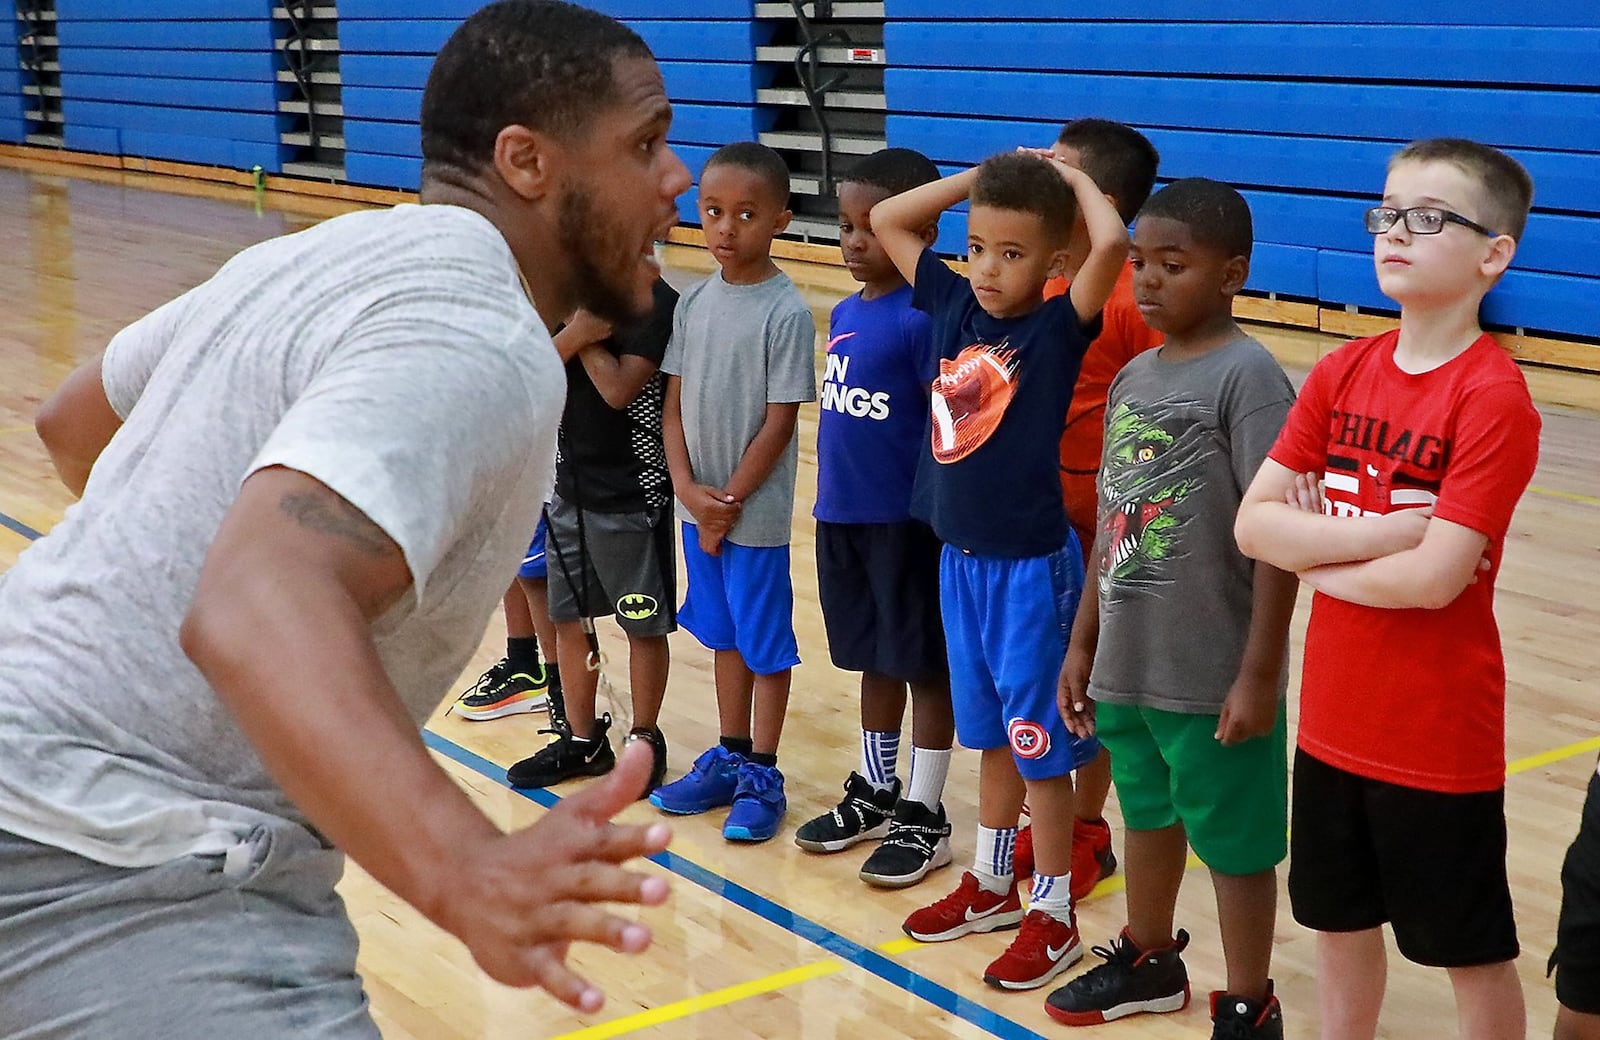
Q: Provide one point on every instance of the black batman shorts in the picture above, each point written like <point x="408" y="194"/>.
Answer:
<point x="622" y="564"/>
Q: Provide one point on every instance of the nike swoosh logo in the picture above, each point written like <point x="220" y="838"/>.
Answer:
<point x="835" y="341"/>
<point x="981" y="914"/>
<point x="1055" y="954"/>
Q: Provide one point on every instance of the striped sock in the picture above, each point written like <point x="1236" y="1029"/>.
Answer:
<point x="992" y="865"/>
<point x="880" y="753"/>
<point x="1052" y="893"/>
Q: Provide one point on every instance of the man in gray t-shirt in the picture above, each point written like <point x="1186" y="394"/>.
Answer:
<point x="304" y="485"/>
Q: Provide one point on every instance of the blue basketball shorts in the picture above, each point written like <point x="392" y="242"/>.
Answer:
<point x="534" y="564"/>
<point x="1006" y="623"/>
<point x="741" y="600"/>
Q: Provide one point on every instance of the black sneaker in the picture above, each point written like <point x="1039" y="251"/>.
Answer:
<point x="918" y="841"/>
<point x="1129" y="982"/>
<point x="864" y="814"/>
<point x="1239" y="1018"/>
<point x="502" y="691"/>
<point x="564" y="758"/>
<point x="657" y="740"/>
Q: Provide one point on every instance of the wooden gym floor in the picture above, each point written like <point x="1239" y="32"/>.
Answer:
<point x="768" y="941"/>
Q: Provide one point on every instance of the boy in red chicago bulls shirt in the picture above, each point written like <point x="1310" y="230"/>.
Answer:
<point x="1390" y="492"/>
<point x="1012" y="568"/>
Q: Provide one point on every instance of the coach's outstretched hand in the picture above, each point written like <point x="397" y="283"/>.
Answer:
<point x="521" y="899"/>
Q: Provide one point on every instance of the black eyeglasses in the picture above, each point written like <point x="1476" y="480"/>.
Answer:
<point x="1420" y="220"/>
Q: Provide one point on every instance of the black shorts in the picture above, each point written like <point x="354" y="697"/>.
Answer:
<point x="879" y="588"/>
<point x="1433" y="865"/>
<point x="1576" y="958"/>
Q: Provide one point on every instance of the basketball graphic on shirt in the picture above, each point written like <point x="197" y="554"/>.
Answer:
<point x="970" y="397"/>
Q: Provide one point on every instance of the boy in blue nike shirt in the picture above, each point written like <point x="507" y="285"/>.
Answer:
<point x="1012" y="568"/>
<point x="877" y="568"/>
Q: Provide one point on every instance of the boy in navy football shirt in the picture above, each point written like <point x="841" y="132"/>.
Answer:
<point x="1012" y="569"/>
<point x="877" y="568"/>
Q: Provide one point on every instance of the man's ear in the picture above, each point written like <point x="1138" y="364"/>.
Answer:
<point x="527" y="161"/>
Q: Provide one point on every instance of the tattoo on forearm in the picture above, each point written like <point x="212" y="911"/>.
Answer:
<point x="330" y="514"/>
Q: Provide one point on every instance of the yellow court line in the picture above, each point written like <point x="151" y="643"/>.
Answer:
<point x="1571" y="496"/>
<point x="1544" y="758"/>
<point x="705" y="1002"/>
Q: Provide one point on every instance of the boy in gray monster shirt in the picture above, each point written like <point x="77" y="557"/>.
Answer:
<point x="1189" y="642"/>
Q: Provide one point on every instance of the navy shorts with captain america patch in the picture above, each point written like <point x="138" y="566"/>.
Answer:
<point x="1006" y="623"/>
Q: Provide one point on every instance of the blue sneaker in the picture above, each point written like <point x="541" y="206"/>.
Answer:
<point x="710" y="784"/>
<point x="758" y="804"/>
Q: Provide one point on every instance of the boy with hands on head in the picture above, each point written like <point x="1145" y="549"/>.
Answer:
<point x="1011" y="569"/>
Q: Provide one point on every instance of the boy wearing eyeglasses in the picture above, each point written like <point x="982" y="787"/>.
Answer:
<point x="1389" y="492"/>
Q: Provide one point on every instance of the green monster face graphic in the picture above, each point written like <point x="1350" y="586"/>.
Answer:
<point x="1141" y="479"/>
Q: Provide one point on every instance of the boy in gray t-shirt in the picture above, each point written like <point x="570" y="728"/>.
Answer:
<point x="1189" y="642"/>
<point x="740" y="363"/>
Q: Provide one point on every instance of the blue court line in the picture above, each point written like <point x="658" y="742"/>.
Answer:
<point x="18" y="526"/>
<point x="895" y="974"/>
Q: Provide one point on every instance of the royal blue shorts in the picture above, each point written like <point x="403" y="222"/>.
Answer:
<point x="741" y="600"/>
<point x="1006" y="623"/>
<point x="533" y="563"/>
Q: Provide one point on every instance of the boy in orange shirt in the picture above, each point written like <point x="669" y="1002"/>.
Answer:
<point x="1122" y="163"/>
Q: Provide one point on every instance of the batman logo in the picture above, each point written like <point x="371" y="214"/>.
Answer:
<point x="636" y="606"/>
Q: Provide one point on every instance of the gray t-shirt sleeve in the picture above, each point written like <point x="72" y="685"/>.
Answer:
<point x="408" y="421"/>
<point x="672" y="360"/>
<point x="791" y="358"/>
<point x="132" y="355"/>
<point x="1254" y="415"/>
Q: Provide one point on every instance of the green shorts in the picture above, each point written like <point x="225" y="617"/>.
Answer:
<point x="1232" y="801"/>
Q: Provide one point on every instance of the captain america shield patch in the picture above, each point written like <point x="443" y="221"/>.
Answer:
<point x="1028" y="739"/>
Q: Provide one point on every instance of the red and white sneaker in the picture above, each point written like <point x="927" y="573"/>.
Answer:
<point x="1046" y="947"/>
<point x="1092" y="858"/>
<point x="970" y="908"/>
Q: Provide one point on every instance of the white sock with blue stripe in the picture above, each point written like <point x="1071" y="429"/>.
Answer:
<point x="992" y="865"/>
<point x="880" y="753"/>
<point x="1052" y="893"/>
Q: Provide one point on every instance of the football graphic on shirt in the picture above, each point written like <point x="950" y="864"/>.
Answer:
<point x="970" y="397"/>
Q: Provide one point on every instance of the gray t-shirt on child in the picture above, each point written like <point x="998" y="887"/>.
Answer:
<point x="393" y="356"/>
<point x="736" y="349"/>
<point x="1183" y="441"/>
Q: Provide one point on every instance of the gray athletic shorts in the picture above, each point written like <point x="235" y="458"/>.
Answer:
<point x="252" y="945"/>
<point x="628" y="560"/>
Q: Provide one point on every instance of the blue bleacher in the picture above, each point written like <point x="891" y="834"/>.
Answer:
<point x="1563" y="57"/>
<point x="670" y="41"/>
<point x="1389" y="111"/>
<point x="1300" y="103"/>
<point x="1312" y="12"/>
<point x="623" y="10"/>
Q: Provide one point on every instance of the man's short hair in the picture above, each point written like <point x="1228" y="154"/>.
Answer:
<point x="759" y="160"/>
<point x="1119" y="159"/>
<point x="1506" y="190"/>
<point x="542" y="64"/>
<point x="893" y="170"/>
<point x="1216" y="215"/>
<point x="1027" y="183"/>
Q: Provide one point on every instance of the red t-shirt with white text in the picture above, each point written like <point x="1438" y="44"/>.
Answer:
<point x="1412" y="697"/>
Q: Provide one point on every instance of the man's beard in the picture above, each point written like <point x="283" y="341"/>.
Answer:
<point x="584" y="235"/>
